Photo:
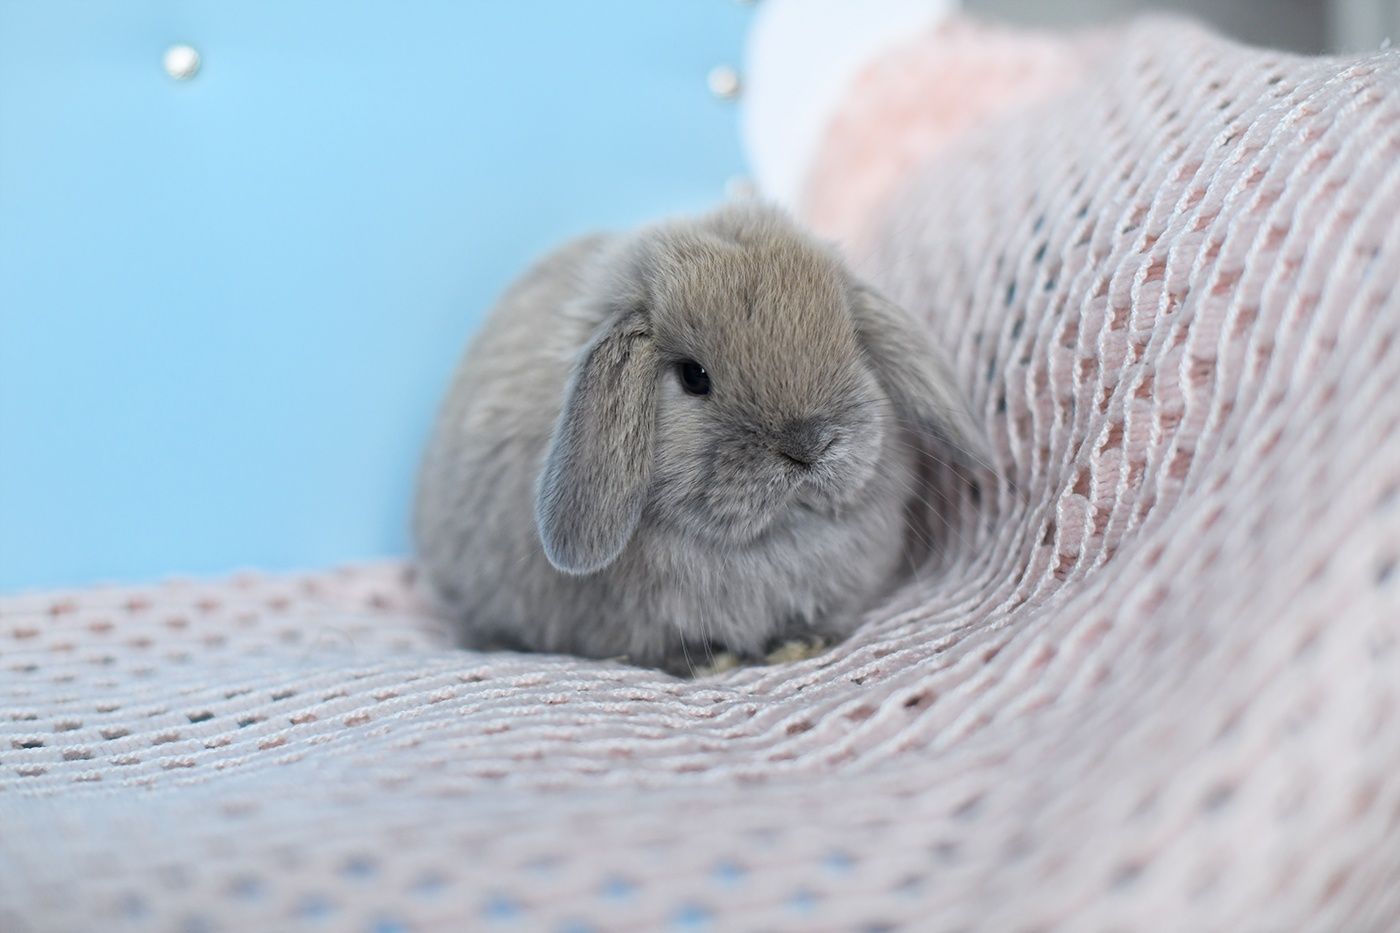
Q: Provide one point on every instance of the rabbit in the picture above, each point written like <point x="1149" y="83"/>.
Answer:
<point x="699" y="437"/>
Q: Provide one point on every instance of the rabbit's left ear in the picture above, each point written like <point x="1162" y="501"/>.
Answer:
<point x="916" y="376"/>
<point x="590" y="495"/>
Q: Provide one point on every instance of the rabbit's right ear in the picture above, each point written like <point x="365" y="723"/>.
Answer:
<point x="915" y="375"/>
<point x="598" y="468"/>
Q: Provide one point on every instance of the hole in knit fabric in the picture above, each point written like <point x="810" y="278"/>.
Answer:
<point x="617" y="889"/>
<point x="315" y="907"/>
<point x="500" y="907"/>
<point x="838" y="862"/>
<point x="388" y="925"/>
<point x="969" y="808"/>
<point x="729" y="872"/>
<point x="1218" y="797"/>
<point x="429" y="884"/>
<point x="246" y="888"/>
<point x="359" y="866"/>
<point x="1125" y="874"/>
<point x="691" y="917"/>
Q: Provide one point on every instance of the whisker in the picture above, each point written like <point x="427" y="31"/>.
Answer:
<point x="915" y="427"/>
<point x="919" y="428"/>
<point x="893" y="415"/>
<point x="933" y="510"/>
<point x="685" y="652"/>
<point x="915" y="566"/>
<point x="1010" y="484"/>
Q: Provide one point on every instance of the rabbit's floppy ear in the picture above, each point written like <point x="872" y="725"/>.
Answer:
<point x="916" y="376"/>
<point x="595" y="477"/>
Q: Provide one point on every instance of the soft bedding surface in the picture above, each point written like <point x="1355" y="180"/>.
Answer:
<point x="1152" y="680"/>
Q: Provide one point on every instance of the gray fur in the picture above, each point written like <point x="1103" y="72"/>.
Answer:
<point x="576" y="499"/>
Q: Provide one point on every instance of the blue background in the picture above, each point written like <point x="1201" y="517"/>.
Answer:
<point x="228" y="306"/>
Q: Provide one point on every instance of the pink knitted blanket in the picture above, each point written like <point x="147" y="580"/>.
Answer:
<point x="1152" y="681"/>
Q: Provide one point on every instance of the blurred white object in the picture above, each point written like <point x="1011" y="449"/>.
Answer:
<point x="181" y="62"/>
<point x="801" y="55"/>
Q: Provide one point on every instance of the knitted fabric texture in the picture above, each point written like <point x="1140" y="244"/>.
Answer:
<point x="1152" y="678"/>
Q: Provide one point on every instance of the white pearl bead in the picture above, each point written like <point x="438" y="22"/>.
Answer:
<point x="724" y="82"/>
<point x="181" y="62"/>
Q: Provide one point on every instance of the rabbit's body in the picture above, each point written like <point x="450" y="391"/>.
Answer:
<point x="579" y="497"/>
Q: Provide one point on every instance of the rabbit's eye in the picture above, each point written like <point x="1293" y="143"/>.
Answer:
<point x="693" y="377"/>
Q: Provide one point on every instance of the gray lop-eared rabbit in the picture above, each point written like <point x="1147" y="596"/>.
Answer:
<point x="703" y="436"/>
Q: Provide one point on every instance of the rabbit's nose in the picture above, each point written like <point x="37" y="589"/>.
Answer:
<point x="803" y="442"/>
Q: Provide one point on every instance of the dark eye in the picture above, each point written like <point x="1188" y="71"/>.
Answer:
<point x="693" y="377"/>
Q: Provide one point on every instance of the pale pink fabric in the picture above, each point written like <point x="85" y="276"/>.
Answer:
<point x="1152" y="683"/>
<point x="920" y="97"/>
